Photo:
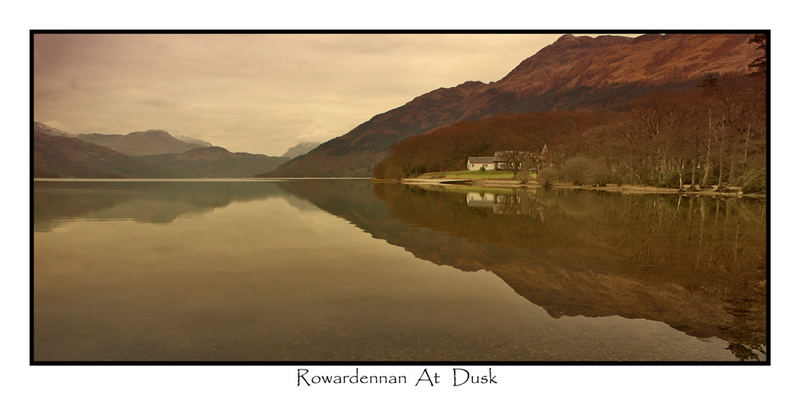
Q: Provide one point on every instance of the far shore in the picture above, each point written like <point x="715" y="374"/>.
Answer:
<point x="514" y="184"/>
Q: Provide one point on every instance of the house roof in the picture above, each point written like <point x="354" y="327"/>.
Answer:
<point x="481" y="159"/>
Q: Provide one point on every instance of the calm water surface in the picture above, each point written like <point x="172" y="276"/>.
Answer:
<point x="313" y="270"/>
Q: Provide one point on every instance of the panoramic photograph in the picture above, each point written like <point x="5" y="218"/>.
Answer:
<point x="287" y="197"/>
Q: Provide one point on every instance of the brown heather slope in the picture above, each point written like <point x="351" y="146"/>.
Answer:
<point x="572" y="73"/>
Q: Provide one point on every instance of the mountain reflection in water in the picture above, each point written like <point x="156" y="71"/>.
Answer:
<point x="148" y="202"/>
<point x="697" y="264"/>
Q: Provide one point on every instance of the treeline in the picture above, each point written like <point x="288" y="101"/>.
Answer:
<point x="447" y="148"/>
<point x="712" y="134"/>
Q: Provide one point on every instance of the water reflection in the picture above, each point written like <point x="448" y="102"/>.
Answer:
<point x="57" y="202"/>
<point x="192" y="275"/>
<point x="695" y="263"/>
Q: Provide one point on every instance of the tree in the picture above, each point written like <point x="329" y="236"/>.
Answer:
<point x="759" y="64"/>
<point x="546" y="176"/>
<point x="526" y="164"/>
<point x="517" y="161"/>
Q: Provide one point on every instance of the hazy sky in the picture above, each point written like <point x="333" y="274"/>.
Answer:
<point x="254" y="93"/>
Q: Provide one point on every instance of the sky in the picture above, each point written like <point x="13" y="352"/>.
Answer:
<point x="258" y="93"/>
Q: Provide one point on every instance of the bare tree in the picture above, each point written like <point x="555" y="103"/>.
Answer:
<point x="526" y="164"/>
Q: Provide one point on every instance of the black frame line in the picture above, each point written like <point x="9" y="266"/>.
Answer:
<point x="768" y="353"/>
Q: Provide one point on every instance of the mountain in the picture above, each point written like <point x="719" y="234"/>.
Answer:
<point x="194" y="141"/>
<point x="573" y="73"/>
<point x="39" y="127"/>
<point x="56" y="155"/>
<point x="150" y="142"/>
<point x="300" y="149"/>
<point x="214" y="162"/>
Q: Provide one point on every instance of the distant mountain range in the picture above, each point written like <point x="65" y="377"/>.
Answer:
<point x="573" y="73"/>
<point x="150" y="142"/>
<point x="62" y="156"/>
<point x="149" y="154"/>
<point x="214" y="162"/>
<point x="300" y="149"/>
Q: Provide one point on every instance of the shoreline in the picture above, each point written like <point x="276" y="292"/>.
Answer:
<point x="193" y="179"/>
<point x="514" y="184"/>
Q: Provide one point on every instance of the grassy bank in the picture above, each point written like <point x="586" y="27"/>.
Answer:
<point x="472" y="175"/>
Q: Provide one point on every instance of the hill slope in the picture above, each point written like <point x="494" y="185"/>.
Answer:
<point x="300" y="149"/>
<point x="49" y="130"/>
<point x="214" y="162"/>
<point x="151" y="142"/>
<point x="62" y="156"/>
<point x="572" y="73"/>
<point x="57" y="154"/>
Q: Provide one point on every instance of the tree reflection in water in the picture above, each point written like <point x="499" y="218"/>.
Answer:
<point x="695" y="263"/>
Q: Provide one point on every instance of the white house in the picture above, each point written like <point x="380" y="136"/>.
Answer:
<point x="503" y="160"/>
<point x="478" y="162"/>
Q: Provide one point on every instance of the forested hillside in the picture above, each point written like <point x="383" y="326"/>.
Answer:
<point x="573" y="73"/>
<point x="713" y="133"/>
